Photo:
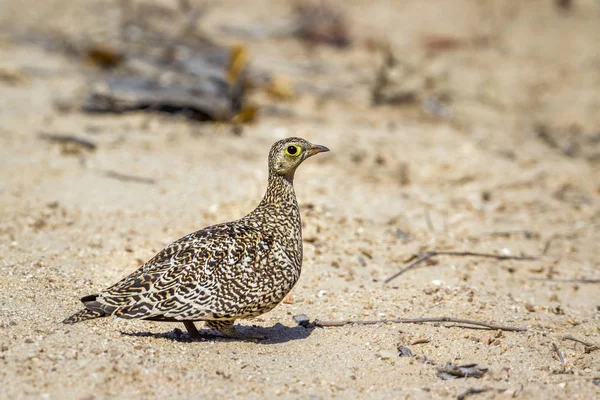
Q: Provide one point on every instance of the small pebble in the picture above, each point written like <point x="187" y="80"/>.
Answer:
<point x="404" y="351"/>
<point x="289" y="299"/>
<point x="301" y="319"/>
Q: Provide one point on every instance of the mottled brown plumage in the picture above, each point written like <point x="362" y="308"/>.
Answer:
<point x="221" y="273"/>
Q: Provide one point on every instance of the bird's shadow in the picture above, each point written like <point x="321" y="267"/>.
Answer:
<point x="277" y="333"/>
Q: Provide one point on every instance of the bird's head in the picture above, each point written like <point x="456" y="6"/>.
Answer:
<point x="287" y="154"/>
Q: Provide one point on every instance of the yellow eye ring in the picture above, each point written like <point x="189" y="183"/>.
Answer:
<point x="293" y="150"/>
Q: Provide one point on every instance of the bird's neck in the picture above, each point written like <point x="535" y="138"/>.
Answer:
<point x="278" y="212"/>
<point x="279" y="205"/>
<point x="280" y="193"/>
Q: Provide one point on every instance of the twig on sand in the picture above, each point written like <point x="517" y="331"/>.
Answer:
<point x="560" y="356"/>
<point x="129" y="178"/>
<point x="547" y="246"/>
<point x="523" y="232"/>
<point x="430" y="254"/>
<point x="59" y="138"/>
<point x="589" y="347"/>
<point x="490" y="325"/>
<point x="567" y="280"/>
<point x="471" y="391"/>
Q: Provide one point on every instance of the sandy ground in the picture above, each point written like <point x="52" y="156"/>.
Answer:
<point x="399" y="180"/>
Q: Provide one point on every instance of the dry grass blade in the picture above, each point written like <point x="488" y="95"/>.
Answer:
<point x="129" y="178"/>
<point x="560" y="356"/>
<point x="430" y="254"/>
<point x="471" y="391"/>
<point x="567" y="280"/>
<point x="527" y="234"/>
<point x="68" y="139"/>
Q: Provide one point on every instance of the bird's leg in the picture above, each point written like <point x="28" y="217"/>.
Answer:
<point x="226" y="328"/>
<point x="191" y="328"/>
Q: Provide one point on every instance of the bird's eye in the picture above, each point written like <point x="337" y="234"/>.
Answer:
<point x="293" y="150"/>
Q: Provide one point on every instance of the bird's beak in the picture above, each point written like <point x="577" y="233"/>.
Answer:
<point x="316" y="149"/>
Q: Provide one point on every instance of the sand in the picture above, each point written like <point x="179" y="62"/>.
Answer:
<point x="477" y="176"/>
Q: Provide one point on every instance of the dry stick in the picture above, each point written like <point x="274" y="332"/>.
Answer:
<point x="586" y="344"/>
<point x="490" y="325"/>
<point x="471" y="391"/>
<point x="129" y="178"/>
<point x="560" y="356"/>
<point x="430" y="254"/>
<point x="428" y="220"/>
<point x="59" y="138"/>
<point x="568" y="280"/>
<point x="547" y="246"/>
<point x="526" y="233"/>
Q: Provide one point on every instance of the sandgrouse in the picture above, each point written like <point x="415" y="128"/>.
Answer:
<point x="224" y="272"/>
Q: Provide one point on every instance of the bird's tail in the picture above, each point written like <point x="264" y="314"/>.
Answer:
<point x="91" y="311"/>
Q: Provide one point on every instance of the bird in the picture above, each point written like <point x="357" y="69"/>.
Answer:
<point x="224" y="272"/>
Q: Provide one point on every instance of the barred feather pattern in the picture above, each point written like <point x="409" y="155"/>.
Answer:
<point x="238" y="269"/>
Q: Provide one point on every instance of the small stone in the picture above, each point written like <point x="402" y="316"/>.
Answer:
<point x="530" y="307"/>
<point x="289" y="299"/>
<point x="487" y="339"/>
<point x="558" y="310"/>
<point x="404" y="351"/>
<point x="301" y="319"/>
<point x="400" y="234"/>
<point x="29" y="340"/>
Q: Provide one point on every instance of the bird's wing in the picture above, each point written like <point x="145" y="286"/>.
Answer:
<point x="183" y="280"/>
